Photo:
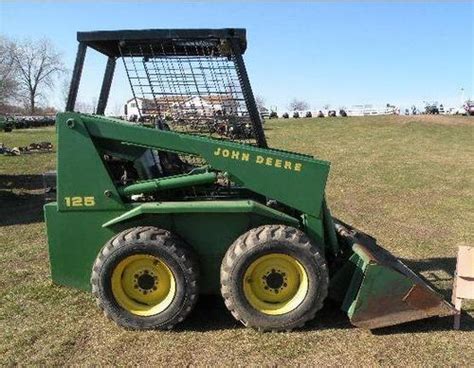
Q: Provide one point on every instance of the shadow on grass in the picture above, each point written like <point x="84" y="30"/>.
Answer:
<point x="434" y="271"/>
<point x="211" y="314"/>
<point x="21" y="199"/>
<point x="25" y="182"/>
<point x="429" y="265"/>
<point x="428" y="325"/>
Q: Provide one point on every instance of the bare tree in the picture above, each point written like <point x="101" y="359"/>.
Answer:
<point x="94" y="103"/>
<point x="8" y="76"/>
<point x="117" y="109"/>
<point x="38" y="65"/>
<point x="86" y="107"/>
<point x="326" y="106"/>
<point x="260" y="101"/>
<point x="298" y="105"/>
<point x="65" y="83"/>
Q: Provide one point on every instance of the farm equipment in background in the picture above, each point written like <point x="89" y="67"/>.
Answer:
<point x="149" y="218"/>
<point x="6" y="124"/>
<point x="431" y="108"/>
<point x="469" y="107"/>
<point x="343" y="113"/>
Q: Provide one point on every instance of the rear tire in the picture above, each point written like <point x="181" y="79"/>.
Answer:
<point x="145" y="278"/>
<point x="273" y="278"/>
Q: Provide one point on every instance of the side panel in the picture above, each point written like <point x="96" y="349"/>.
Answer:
<point x="76" y="237"/>
<point x="82" y="176"/>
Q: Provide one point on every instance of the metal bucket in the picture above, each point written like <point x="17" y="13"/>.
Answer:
<point x="377" y="289"/>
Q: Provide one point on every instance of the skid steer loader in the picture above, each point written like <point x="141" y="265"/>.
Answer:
<point x="150" y="215"/>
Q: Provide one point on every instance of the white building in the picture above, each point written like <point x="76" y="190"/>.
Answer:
<point x="180" y="105"/>
<point x="264" y="112"/>
<point x="368" y="110"/>
<point x="133" y="107"/>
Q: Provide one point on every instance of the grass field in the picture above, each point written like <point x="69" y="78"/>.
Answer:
<point x="409" y="181"/>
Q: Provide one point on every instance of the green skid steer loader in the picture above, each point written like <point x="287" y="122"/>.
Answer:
<point x="185" y="198"/>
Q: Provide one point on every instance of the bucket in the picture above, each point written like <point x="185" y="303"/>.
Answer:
<point x="377" y="289"/>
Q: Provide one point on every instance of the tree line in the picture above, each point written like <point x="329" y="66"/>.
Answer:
<point x="28" y="71"/>
<point x="294" y="105"/>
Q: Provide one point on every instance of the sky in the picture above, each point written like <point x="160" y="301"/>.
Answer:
<point x="339" y="54"/>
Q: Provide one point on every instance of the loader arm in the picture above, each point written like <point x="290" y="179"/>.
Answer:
<point x="268" y="172"/>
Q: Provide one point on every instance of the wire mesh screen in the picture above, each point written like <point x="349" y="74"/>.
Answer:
<point x="191" y="85"/>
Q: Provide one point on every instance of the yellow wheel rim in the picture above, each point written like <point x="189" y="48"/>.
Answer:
<point x="275" y="284"/>
<point x="143" y="285"/>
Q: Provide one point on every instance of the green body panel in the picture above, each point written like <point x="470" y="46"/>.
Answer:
<point x="74" y="240"/>
<point x="76" y="237"/>
<point x="249" y="207"/>
<point x="81" y="171"/>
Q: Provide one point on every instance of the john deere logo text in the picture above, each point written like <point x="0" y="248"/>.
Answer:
<point x="258" y="159"/>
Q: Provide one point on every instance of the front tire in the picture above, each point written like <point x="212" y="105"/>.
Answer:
<point x="273" y="278"/>
<point x="145" y="278"/>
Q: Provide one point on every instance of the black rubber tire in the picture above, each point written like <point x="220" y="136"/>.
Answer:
<point x="273" y="239"/>
<point x="161" y="243"/>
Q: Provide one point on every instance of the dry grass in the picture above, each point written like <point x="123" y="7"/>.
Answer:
<point x="409" y="181"/>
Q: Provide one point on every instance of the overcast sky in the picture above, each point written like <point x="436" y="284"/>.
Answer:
<point x="338" y="54"/>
